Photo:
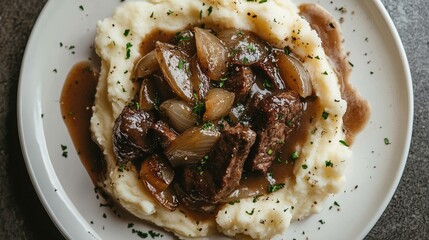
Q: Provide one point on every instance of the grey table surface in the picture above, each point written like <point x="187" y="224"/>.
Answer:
<point x="22" y="216"/>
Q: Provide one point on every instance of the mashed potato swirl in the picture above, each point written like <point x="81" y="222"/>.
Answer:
<point x="278" y="23"/>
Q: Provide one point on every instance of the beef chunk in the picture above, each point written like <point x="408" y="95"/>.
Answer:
<point x="270" y="68"/>
<point x="162" y="134"/>
<point x="240" y="82"/>
<point x="130" y="141"/>
<point x="278" y="115"/>
<point x="218" y="174"/>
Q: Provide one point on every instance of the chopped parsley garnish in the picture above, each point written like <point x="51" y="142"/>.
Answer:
<point x="199" y="107"/>
<point x="325" y="115"/>
<point x="317" y="57"/>
<point x="209" y="10"/>
<point x="151" y="15"/>
<point x="81" y="7"/>
<point x="287" y="50"/>
<point x="130" y="225"/>
<point x="304" y="166"/>
<point x="325" y="73"/>
<point x="181" y="64"/>
<point x="126" y="32"/>
<point x="251" y="48"/>
<point x="201" y="14"/>
<point x="245" y="60"/>
<point x="256" y="198"/>
<point x="232" y="53"/>
<point x="331" y="25"/>
<point x="329" y="164"/>
<point x="294" y="156"/>
<point x="275" y="187"/>
<point x="270" y="152"/>
<point x="234" y="202"/>
<point x="387" y="141"/>
<point x="321" y="221"/>
<point x="344" y="143"/>
<point x="64" y="149"/>
<point x="251" y="212"/>
<point x="169" y="12"/>
<point x="128" y="48"/>
<point x="222" y="82"/>
<point x="336" y="204"/>
<point x="208" y="126"/>
<point x="351" y="64"/>
<point x="263" y="1"/>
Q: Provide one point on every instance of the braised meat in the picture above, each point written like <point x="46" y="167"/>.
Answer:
<point x="240" y="82"/>
<point x="130" y="141"/>
<point x="162" y="134"/>
<point x="277" y="116"/>
<point x="218" y="174"/>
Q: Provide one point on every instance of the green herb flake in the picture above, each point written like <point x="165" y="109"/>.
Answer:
<point x="317" y="57"/>
<point x="234" y="202"/>
<point x="294" y="156"/>
<point x="321" y="221"/>
<point x="329" y="164"/>
<point x="304" y="166"/>
<point x="251" y="48"/>
<point x="64" y="149"/>
<point x="263" y="1"/>
<point x="151" y="15"/>
<point x="287" y="50"/>
<point x="270" y="152"/>
<point x="245" y="60"/>
<point x="325" y="115"/>
<point x="209" y="10"/>
<point x="325" y="73"/>
<point x="256" y="198"/>
<point x="222" y="82"/>
<point x="128" y="50"/>
<point x="201" y="14"/>
<point x="344" y="143"/>
<point x="199" y="107"/>
<point x="181" y="64"/>
<point x="81" y="7"/>
<point x="130" y="225"/>
<point x="387" y="141"/>
<point x="266" y="84"/>
<point x="169" y="12"/>
<point x="251" y="212"/>
<point x="126" y="32"/>
<point x="275" y="187"/>
<point x="331" y="25"/>
<point x="336" y="204"/>
<point x="207" y="126"/>
<point x="351" y="64"/>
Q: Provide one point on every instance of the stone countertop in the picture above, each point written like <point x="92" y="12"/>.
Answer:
<point x="23" y="217"/>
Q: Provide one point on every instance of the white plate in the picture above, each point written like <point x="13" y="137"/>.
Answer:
<point x="66" y="190"/>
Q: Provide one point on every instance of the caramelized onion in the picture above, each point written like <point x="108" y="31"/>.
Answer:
<point x="191" y="146"/>
<point x="146" y="65"/>
<point x="147" y="95"/>
<point x="199" y="80"/>
<point x="175" y="67"/>
<point x="294" y="74"/>
<point x="218" y="104"/>
<point x="179" y="114"/>
<point x="212" y="55"/>
<point x="166" y="198"/>
<point x="157" y="171"/>
<point x="244" y="47"/>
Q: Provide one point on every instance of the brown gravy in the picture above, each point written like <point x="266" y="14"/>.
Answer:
<point x="79" y="89"/>
<point x="77" y="99"/>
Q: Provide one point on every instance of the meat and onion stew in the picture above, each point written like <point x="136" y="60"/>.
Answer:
<point x="213" y="107"/>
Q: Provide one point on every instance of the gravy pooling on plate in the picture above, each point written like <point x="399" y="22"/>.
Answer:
<point x="296" y="177"/>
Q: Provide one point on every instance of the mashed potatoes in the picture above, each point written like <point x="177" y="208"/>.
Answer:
<point x="275" y="21"/>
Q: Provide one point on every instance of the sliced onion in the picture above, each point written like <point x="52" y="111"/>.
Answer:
<point x="146" y="65"/>
<point x="294" y="74"/>
<point x="191" y="146"/>
<point x="166" y="198"/>
<point x="157" y="171"/>
<point x="147" y="95"/>
<point x="179" y="114"/>
<point x="244" y="48"/>
<point x="175" y="67"/>
<point x="200" y="81"/>
<point x="212" y="55"/>
<point x="218" y="104"/>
